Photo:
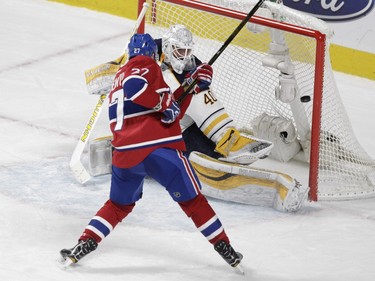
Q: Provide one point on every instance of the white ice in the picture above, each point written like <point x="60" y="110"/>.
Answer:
<point x="45" y="49"/>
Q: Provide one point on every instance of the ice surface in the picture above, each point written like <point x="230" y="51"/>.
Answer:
<point x="45" y="49"/>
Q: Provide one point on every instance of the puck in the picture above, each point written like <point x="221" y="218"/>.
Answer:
<point x="305" y="98"/>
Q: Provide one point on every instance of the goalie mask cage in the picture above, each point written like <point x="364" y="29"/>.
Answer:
<point x="338" y="166"/>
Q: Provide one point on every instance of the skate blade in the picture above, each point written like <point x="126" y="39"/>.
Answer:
<point x="239" y="269"/>
<point x="65" y="262"/>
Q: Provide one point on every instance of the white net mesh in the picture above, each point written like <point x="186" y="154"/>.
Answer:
<point x="247" y="88"/>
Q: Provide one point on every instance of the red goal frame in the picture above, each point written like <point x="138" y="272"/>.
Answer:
<point x="320" y="39"/>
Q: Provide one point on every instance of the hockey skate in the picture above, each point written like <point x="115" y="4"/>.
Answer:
<point x="73" y="255"/>
<point x="241" y="148"/>
<point x="232" y="257"/>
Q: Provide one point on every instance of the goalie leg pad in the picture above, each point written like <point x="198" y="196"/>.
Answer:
<point x="244" y="184"/>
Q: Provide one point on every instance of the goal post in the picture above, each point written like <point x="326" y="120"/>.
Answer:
<point x="277" y="68"/>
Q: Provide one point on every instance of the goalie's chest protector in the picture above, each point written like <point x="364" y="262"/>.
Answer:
<point x="137" y="128"/>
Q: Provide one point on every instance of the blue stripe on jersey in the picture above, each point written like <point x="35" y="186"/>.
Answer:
<point x="100" y="227"/>
<point x="135" y="85"/>
<point x="209" y="229"/>
<point x="130" y="108"/>
<point x="112" y="111"/>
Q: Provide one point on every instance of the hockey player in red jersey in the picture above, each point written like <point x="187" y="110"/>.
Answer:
<point x="144" y="119"/>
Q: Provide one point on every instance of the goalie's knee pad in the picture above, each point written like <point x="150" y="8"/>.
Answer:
<point x="241" y="148"/>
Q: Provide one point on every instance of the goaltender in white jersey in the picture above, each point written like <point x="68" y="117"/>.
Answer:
<point x="206" y="119"/>
<point x="220" y="153"/>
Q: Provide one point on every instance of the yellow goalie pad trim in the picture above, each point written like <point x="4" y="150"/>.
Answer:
<point x="232" y="141"/>
<point x="228" y="181"/>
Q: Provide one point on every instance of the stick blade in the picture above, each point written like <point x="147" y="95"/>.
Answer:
<point x="79" y="171"/>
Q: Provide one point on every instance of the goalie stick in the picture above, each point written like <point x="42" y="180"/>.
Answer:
<point x="76" y="165"/>
<point x="223" y="47"/>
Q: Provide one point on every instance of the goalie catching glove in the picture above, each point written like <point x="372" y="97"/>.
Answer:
<point x="203" y="76"/>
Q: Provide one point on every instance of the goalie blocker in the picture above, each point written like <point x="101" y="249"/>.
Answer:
<point x="223" y="180"/>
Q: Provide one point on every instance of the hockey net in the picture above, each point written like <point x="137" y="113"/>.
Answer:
<point x="246" y="77"/>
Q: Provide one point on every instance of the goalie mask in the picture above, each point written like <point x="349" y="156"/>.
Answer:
<point x="177" y="46"/>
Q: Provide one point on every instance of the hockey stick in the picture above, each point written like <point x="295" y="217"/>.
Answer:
<point x="223" y="47"/>
<point x="79" y="171"/>
<point x="77" y="167"/>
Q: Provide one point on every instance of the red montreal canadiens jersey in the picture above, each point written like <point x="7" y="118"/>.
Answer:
<point x="136" y="126"/>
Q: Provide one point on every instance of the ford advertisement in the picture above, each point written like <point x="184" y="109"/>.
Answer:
<point x="333" y="10"/>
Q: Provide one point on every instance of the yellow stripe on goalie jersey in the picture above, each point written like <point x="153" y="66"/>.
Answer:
<point x="227" y="181"/>
<point x="214" y="123"/>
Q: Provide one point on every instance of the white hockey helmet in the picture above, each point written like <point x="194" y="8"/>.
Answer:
<point x="177" y="46"/>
